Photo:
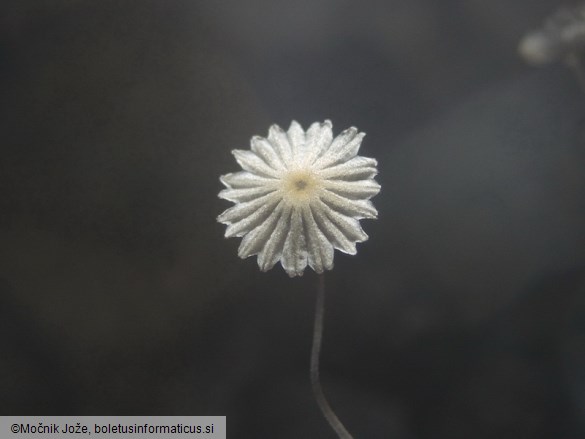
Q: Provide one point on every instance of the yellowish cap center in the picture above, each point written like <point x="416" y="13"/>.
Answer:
<point x="299" y="186"/>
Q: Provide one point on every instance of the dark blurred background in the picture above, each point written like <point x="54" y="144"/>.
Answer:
<point x="463" y="316"/>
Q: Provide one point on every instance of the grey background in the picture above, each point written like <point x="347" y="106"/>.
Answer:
<point x="462" y="316"/>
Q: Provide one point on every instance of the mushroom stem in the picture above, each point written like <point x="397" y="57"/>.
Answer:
<point x="315" y="353"/>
